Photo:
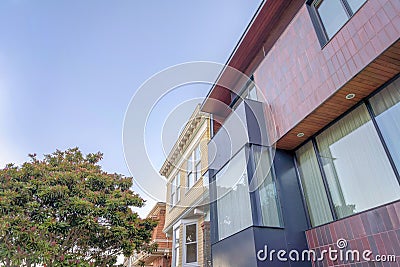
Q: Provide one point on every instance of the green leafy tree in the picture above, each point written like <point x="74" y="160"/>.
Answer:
<point x="65" y="210"/>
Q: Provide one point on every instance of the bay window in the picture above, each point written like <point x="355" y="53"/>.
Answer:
<point x="237" y="190"/>
<point x="175" y="246"/>
<point x="233" y="198"/>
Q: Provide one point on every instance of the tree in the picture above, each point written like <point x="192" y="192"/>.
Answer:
<point x="65" y="210"/>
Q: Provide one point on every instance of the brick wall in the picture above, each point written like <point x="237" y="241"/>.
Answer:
<point x="377" y="230"/>
<point x="205" y="229"/>
<point x="297" y="75"/>
<point x="158" y="233"/>
<point x="201" y="249"/>
<point x="162" y="262"/>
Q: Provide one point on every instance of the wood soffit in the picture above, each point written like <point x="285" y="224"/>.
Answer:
<point x="376" y="74"/>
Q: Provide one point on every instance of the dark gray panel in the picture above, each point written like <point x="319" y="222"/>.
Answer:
<point x="293" y="211"/>
<point x="235" y="251"/>
<point x="256" y="123"/>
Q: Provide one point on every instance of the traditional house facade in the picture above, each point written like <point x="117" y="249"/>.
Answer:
<point x="162" y="256"/>
<point x="187" y="213"/>
<point x="329" y="125"/>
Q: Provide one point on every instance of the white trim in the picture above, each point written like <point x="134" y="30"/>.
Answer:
<point x="174" y="260"/>
<point x="177" y="220"/>
<point x="190" y="222"/>
<point x="195" y="140"/>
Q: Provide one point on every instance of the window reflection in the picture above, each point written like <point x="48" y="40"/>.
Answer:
<point x="386" y="106"/>
<point x="357" y="169"/>
<point x="333" y="16"/>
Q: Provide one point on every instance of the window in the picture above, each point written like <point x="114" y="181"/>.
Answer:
<point x="313" y="185"/>
<point x="175" y="189"/>
<point x="193" y="167"/>
<point x="353" y="165"/>
<point x="386" y="106"/>
<point x="238" y="195"/>
<point x="191" y="243"/>
<point x="190" y="174"/>
<point x="197" y="163"/>
<point x="332" y="15"/>
<point x="252" y="93"/>
<point x="265" y="183"/>
<point x="175" y="252"/>
<point x="249" y="91"/>
<point x="233" y="198"/>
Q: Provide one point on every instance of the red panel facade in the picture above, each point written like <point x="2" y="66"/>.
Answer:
<point x="297" y="75"/>
<point x="377" y="230"/>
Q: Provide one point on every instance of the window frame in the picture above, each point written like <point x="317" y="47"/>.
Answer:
<point x="191" y="167"/>
<point x="172" y="193"/>
<point x="197" y="163"/>
<point x="175" y="246"/>
<point x="312" y="139"/>
<point x="175" y="187"/>
<point x="184" y="244"/>
<point x="189" y="173"/>
<point x="317" y="21"/>
<point x="256" y="213"/>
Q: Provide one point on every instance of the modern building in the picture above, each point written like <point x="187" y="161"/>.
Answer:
<point x="162" y="256"/>
<point x="187" y="213"/>
<point x="319" y="158"/>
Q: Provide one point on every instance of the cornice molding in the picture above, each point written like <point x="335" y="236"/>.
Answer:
<point x="194" y="123"/>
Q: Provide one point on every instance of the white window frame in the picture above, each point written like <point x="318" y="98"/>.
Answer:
<point x="197" y="163"/>
<point x="192" y="167"/>
<point x="184" y="263"/>
<point x="175" y="246"/>
<point x="190" y="173"/>
<point x="175" y="190"/>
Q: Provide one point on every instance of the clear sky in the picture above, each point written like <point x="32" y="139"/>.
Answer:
<point x="68" y="68"/>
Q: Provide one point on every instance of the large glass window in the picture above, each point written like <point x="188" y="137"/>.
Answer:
<point x="355" y="164"/>
<point x="313" y="185"/>
<point x="386" y="106"/>
<point x="268" y="197"/>
<point x="333" y="14"/>
<point x="233" y="198"/>
<point x="191" y="243"/>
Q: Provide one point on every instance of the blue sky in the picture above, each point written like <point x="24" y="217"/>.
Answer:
<point x="69" y="68"/>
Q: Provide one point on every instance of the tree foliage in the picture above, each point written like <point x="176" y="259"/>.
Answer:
<point x="64" y="210"/>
